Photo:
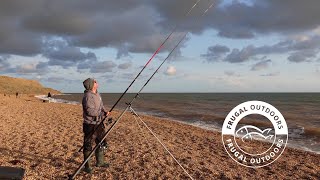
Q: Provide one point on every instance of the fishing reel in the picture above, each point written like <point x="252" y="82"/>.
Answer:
<point x="104" y="146"/>
<point x="110" y="120"/>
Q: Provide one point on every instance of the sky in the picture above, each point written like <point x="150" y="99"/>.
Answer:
<point x="236" y="46"/>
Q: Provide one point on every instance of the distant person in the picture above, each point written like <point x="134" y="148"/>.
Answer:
<point x="93" y="112"/>
<point x="49" y="97"/>
<point x="17" y="94"/>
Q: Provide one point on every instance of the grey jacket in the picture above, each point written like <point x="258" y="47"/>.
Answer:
<point x="92" y="106"/>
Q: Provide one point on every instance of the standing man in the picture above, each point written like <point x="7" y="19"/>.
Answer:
<point x="93" y="112"/>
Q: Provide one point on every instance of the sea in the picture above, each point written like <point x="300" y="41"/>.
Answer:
<point x="209" y="110"/>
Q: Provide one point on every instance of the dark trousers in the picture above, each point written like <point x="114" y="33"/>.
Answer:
<point x="89" y="137"/>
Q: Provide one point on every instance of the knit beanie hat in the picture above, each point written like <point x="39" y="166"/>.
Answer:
<point x="88" y="83"/>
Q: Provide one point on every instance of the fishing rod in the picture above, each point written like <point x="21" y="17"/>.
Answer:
<point x="154" y="54"/>
<point x="116" y="121"/>
<point x="128" y="106"/>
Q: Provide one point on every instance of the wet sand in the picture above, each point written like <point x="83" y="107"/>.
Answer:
<point x="44" y="139"/>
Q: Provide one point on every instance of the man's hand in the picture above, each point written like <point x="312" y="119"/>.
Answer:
<point x="107" y="113"/>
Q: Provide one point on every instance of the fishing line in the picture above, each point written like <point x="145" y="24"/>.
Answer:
<point x="135" y="114"/>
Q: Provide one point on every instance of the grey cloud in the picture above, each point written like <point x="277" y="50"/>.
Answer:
<point x="267" y="16"/>
<point x="58" y="23"/>
<point x="301" y="50"/>
<point x="236" y="33"/>
<point x="40" y="68"/>
<point x="102" y="67"/>
<point x="123" y="51"/>
<point x="237" y="56"/>
<point x="60" y="54"/>
<point x="14" y="40"/>
<point x="312" y="43"/>
<point x="261" y="65"/>
<point x="118" y="29"/>
<point x="177" y="42"/>
<point x="125" y="65"/>
<point x="214" y="53"/>
<point x="4" y="64"/>
<point x="91" y="24"/>
<point x="70" y="54"/>
<point x="242" y="20"/>
<point x="85" y="65"/>
<point x="301" y="56"/>
<point x="151" y="43"/>
<point x="281" y="47"/>
<point x="42" y="65"/>
<point x="140" y="26"/>
<point x="26" y="69"/>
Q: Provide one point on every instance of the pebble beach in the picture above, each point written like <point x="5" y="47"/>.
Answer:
<point x="44" y="139"/>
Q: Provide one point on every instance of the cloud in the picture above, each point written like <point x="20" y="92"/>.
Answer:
<point x="60" y="54"/>
<point x="102" y="67"/>
<point x="237" y="56"/>
<point x="125" y="65"/>
<point x="26" y="68"/>
<point x="301" y="49"/>
<point x="40" y="68"/>
<point x="171" y="71"/>
<point x="117" y="30"/>
<point x="229" y="32"/>
<point x="302" y="56"/>
<point x="239" y="19"/>
<point x="286" y="17"/>
<point x="96" y="24"/>
<point x="15" y="40"/>
<point x="215" y="52"/>
<point x="80" y="27"/>
<point x="123" y="51"/>
<point x="261" y="65"/>
<point x="92" y="24"/>
<point x="4" y="64"/>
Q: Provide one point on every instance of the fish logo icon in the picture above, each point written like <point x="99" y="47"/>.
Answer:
<point x="250" y="132"/>
<point x="241" y="138"/>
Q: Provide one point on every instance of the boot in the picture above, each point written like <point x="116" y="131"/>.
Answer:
<point x="87" y="167"/>
<point x="100" y="158"/>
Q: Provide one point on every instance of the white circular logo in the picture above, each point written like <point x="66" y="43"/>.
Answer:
<point x="240" y="139"/>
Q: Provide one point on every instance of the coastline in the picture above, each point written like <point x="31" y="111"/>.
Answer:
<point x="43" y="138"/>
<point x="206" y="125"/>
